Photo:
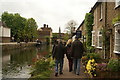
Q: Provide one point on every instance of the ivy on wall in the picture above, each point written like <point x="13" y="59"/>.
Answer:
<point x="88" y="23"/>
<point x="117" y="19"/>
<point x="106" y="39"/>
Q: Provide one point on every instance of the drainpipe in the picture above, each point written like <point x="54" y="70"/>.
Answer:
<point x="105" y="28"/>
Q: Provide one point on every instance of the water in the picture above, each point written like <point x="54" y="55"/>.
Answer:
<point x="17" y="63"/>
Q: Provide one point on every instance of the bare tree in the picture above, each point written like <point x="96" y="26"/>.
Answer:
<point x="70" y="27"/>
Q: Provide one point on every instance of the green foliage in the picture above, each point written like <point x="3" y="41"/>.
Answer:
<point x="55" y="35"/>
<point x="42" y="68"/>
<point x="90" y="49"/>
<point x="21" y="28"/>
<point x="43" y="76"/>
<point x="89" y="27"/>
<point x="106" y="40"/>
<point x="93" y="56"/>
<point x="117" y="19"/>
<point x="47" y="40"/>
<point x="114" y="65"/>
<point x="66" y="36"/>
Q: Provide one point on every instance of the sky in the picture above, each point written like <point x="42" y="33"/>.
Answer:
<point x="55" y="13"/>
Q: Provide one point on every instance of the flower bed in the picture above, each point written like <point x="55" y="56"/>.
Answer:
<point x="110" y="69"/>
<point x="101" y="68"/>
<point x="91" y="67"/>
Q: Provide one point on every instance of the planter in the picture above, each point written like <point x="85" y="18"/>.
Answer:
<point x="107" y="74"/>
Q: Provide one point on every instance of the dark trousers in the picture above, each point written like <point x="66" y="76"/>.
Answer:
<point x="70" y="64"/>
<point x="57" y="62"/>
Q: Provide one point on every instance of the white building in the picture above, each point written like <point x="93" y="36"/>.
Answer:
<point x="5" y="33"/>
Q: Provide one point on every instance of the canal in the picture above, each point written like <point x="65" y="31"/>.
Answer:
<point x="17" y="63"/>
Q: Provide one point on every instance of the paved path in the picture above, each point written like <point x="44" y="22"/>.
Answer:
<point x="67" y="74"/>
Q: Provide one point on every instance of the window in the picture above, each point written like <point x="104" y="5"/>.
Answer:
<point x="99" y="40"/>
<point x="117" y="3"/>
<point x="117" y="38"/>
<point x="93" y="38"/>
<point x="101" y="13"/>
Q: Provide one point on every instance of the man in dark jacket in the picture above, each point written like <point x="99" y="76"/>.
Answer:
<point x="77" y="51"/>
<point x="58" y="55"/>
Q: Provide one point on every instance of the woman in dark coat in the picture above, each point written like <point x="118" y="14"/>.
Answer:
<point x="68" y="54"/>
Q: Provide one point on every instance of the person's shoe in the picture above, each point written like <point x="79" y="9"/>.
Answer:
<point x="61" y="72"/>
<point x="70" y="70"/>
<point x="56" y="74"/>
<point x="77" y="74"/>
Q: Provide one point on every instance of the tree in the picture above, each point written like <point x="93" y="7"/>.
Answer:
<point x="70" y="26"/>
<point x="66" y="37"/>
<point x="15" y="22"/>
<point x="20" y="26"/>
<point x="31" y="29"/>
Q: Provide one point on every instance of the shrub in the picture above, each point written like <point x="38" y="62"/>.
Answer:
<point x="42" y="68"/>
<point x="102" y="66"/>
<point x="90" y="49"/>
<point x="117" y="19"/>
<point x="84" y="60"/>
<point x="93" y="56"/>
<point x="43" y="76"/>
<point x="114" y="65"/>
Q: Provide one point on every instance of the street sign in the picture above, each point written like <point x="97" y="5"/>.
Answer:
<point x="78" y="33"/>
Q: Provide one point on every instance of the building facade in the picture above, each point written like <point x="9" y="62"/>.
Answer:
<point x="5" y="33"/>
<point x="44" y="33"/>
<point x="107" y="44"/>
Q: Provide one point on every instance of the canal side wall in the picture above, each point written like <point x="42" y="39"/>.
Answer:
<point x="10" y="46"/>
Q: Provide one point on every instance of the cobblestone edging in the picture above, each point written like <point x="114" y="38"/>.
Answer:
<point x="16" y="45"/>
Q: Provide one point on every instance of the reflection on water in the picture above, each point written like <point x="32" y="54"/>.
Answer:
<point x="17" y="63"/>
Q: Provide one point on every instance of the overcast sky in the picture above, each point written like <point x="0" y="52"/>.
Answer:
<point x="55" y="13"/>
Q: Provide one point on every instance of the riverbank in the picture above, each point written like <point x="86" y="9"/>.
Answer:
<point x="15" y="45"/>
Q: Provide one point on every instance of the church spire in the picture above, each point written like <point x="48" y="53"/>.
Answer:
<point x="59" y="33"/>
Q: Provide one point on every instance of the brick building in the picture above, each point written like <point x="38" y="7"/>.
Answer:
<point x="104" y="13"/>
<point x="44" y="32"/>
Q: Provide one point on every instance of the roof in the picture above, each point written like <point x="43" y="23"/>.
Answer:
<point x="94" y="7"/>
<point x="80" y="25"/>
<point x="91" y="11"/>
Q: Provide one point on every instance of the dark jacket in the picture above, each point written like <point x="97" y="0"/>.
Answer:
<point x="58" y="52"/>
<point x="77" y="49"/>
<point x="68" y="51"/>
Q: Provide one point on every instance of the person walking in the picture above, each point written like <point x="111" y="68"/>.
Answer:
<point x="58" y="54"/>
<point x="68" y="54"/>
<point x="77" y="50"/>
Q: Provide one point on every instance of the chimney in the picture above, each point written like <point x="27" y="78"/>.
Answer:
<point x="44" y="25"/>
<point x="47" y="26"/>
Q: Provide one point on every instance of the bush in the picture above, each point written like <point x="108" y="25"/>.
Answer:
<point x="114" y="65"/>
<point x="42" y="68"/>
<point x="84" y="60"/>
<point x="93" y="56"/>
<point x="102" y="66"/>
<point x="90" y="49"/>
<point x="43" y="76"/>
<point x="117" y="19"/>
